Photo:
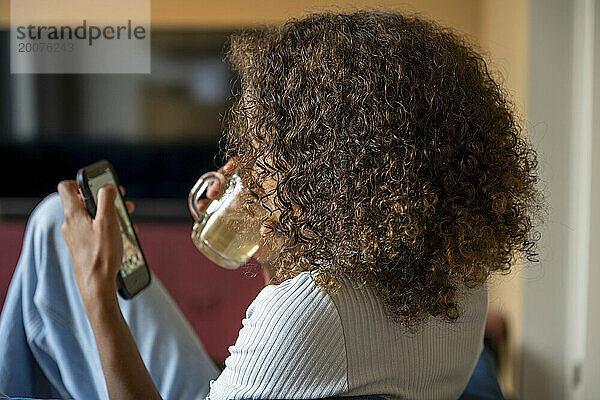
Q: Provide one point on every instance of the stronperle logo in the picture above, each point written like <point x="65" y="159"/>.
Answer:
<point x="90" y="33"/>
<point x="80" y="37"/>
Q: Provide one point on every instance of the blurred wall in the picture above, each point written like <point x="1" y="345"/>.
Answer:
<point x="503" y="32"/>
<point x="561" y="323"/>
<point x="462" y="14"/>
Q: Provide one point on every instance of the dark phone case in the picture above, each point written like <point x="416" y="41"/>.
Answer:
<point x="140" y="279"/>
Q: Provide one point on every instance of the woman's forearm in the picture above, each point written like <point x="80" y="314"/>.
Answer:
<point x="96" y="249"/>
<point x="124" y="370"/>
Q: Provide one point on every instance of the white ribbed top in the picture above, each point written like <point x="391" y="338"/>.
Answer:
<point x="298" y="342"/>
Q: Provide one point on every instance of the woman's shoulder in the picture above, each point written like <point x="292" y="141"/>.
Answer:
<point x="299" y="296"/>
<point x="291" y="316"/>
<point x="296" y="317"/>
<point x="292" y="333"/>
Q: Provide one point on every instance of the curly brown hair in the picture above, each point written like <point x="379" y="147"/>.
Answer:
<point x="399" y="160"/>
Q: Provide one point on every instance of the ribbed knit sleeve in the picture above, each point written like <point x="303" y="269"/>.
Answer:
<point x="291" y="346"/>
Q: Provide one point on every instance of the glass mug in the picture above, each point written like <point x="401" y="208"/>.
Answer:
<point x="228" y="231"/>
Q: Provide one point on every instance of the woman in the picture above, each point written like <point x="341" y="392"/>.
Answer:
<point x="398" y="182"/>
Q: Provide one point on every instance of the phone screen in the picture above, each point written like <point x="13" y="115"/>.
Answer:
<point x="132" y="256"/>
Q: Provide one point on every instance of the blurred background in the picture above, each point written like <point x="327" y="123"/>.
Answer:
<point x="161" y="132"/>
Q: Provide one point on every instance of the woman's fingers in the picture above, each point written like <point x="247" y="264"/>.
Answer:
<point x="128" y="203"/>
<point x="106" y="202"/>
<point x="214" y="188"/>
<point x="217" y="187"/>
<point x="203" y="204"/>
<point x="229" y="166"/>
<point x="72" y="204"/>
<point x="267" y="227"/>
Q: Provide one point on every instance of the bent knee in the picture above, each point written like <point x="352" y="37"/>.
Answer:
<point x="49" y="212"/>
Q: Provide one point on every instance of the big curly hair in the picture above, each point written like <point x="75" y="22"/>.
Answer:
<point x="397" y="157"/>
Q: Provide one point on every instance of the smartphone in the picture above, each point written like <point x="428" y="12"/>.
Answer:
<point x="134" y="274"/>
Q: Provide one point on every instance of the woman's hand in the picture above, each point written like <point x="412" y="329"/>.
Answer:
<point x="216" y="188"/>
<point x="96" y="250"/>
<point x="95" y="244"/>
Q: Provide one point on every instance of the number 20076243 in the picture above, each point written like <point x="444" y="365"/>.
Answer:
<point x="44" y="47"/>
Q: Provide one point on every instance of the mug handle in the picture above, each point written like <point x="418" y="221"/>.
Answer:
<point x="197" y="190"/>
